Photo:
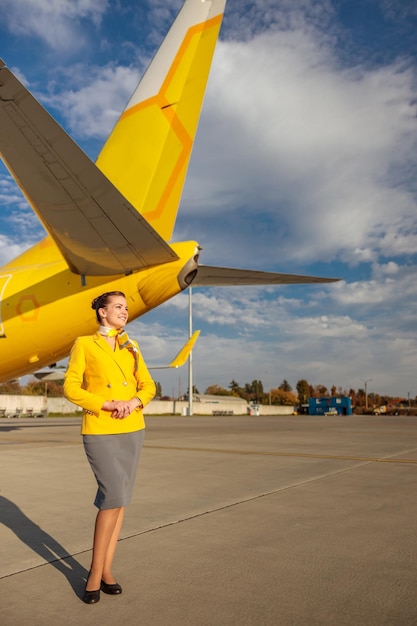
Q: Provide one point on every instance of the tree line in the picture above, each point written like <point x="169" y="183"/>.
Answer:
<point x="253" y="392"/>
<point x="285" y="395"/>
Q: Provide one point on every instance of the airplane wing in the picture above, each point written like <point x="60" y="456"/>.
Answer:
<point x="208" y="276"/>
<point x="96" y="229"/>
<point x="58" y="373"/>
<point x="115" y="216"/>
<point x="182" y="355"/>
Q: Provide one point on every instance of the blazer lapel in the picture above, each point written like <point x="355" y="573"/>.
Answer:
<point x="102" y="343"/>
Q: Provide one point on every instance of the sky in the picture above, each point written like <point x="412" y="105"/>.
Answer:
<point x="304" y="162"/>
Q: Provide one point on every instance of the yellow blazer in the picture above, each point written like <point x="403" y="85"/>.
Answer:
<point x="96" y="374"/>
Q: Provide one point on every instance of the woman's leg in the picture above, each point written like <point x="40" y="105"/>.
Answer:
<point x="106" y="534"/>
<point x="107" y="573"/>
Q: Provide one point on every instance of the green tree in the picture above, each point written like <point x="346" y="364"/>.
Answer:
<point x="255" y="391"/>
<point x="235" y="389"/>
<point x="285" y="386"/>
<point x="303" y="390"/>
<point x="158" y="393"/>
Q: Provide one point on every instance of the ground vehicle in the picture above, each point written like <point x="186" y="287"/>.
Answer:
<point x="331" y="411"/>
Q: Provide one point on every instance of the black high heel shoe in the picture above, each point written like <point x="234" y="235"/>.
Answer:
<point x="113" y="589"/>
<point x="91" y="597"/>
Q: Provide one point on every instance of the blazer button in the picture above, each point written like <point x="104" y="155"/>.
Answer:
<point x="124" y="383"/>
<point x="109" y="385"/>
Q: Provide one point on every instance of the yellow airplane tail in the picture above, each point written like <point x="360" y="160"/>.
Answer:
<point x="147" y="154"/>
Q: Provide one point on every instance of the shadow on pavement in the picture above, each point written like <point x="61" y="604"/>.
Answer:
<point x="43" y="544"/>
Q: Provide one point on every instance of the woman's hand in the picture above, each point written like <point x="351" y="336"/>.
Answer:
<point x="121" y="408"/>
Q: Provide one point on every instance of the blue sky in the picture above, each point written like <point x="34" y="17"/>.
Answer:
<point x="305" y="162"/>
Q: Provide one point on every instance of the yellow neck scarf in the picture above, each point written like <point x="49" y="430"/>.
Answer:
<point x="123" y="340"/>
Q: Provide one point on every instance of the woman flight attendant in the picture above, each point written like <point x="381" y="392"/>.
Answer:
<point x="108" y="378"/>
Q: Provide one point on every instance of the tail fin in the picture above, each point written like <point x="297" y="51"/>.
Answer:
<point x="147" y="154"/>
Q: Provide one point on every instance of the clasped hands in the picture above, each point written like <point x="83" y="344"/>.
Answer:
<point x="120" y="408"/>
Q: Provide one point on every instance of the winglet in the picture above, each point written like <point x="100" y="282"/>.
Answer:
<point x="182" y="355"/>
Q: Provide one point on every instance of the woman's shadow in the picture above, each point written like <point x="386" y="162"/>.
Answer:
<point x="43" y="544"/>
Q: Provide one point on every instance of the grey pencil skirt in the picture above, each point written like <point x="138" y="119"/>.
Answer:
<point x="114" y="460"/>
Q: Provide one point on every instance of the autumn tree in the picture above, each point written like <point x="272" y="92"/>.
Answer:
<point x="12" y="387"/>
<point x="216" y="390"/>
<point x="51" y="388"/>
<point x="281" y="397"/>
<point x="360" y="397"/>
<point x="320" y="391"/>
<point x="352" y="396"/>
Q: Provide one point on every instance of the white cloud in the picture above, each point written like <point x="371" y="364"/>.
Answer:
<point x="10" y="194"/>
<point x="390" y="268"/>
<point x="92" y="109"/>
<point x="339" y="334"/>
<point x="10" y="249"/>
<point x="392" y="284"/>
<point x="255" y="16"/>
<point x="316" y="349"/>
<point x="53" y="21"/>
<point x="23" y="227"/>
<point x="324" y="153"/>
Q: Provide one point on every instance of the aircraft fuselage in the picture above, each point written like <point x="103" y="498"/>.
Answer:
<point x="45" y="306"/>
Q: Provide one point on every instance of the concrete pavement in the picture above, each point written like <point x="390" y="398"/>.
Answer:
<point x="252" y="521"/>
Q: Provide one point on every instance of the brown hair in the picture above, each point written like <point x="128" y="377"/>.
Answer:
<point x="101" y="301"/>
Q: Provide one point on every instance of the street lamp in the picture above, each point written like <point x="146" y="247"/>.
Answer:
<point x="368" y="380"/>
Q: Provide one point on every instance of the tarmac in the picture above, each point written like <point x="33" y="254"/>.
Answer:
<point x="235" y="521"/>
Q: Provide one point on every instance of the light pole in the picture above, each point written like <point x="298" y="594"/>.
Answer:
<point x="368" y="380"/>
<point x="269" y="387"/>
<point x="190" y="357"/>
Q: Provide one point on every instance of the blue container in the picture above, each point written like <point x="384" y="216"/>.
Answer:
<point x="335" y="405"/>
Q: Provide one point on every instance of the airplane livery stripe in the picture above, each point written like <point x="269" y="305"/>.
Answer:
<point x="158" y="160"/>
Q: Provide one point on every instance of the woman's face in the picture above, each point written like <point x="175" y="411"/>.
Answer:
<point x="115" y="313"/>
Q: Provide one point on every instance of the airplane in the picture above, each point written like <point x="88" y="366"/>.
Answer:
<point x="109" y="224"/>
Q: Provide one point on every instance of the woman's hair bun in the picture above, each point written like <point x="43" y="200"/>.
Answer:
<point x="95" y="302"/>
